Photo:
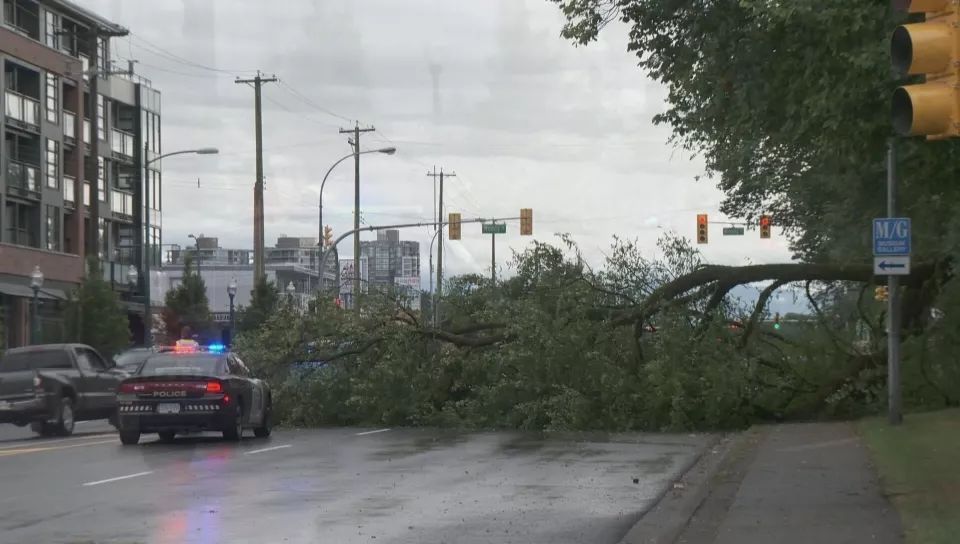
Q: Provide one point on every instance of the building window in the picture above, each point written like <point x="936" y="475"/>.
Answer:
<point x="53" y="228"/>
<point x="101" y="180"/>
<point x="52" y="25"/>
<point x="53" y="164"/>
<point x="21" y="224"/>
<point x="103" y="238"/>
<point x="86" y="193"/>
<point x="101" y="117"/>
<point x="53" y="98"/>
<point x="103" y="59"/>
<point x="24" y="16"/>
<point x="155" y="196"/>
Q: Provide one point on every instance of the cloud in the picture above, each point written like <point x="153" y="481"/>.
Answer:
<point x="524" y="118"/>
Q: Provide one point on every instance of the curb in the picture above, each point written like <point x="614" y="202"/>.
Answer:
<point x="679" y="501"/>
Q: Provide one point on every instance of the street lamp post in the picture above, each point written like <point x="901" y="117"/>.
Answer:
<point x="232" y="292"/>
<point x="197" y="240"/>
<point x="145" y="209"/>
<point x="36" y="282"/>
<point x="384" y="150"/>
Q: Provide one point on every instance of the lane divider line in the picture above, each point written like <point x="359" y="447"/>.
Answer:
<point x="365" y="433"/>
<point x="251" y="452"/>
<point x="33" y="443"/>
<point x="11" y="453"/>
<point x="118" y="478"/>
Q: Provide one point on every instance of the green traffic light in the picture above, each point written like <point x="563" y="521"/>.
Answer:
<point x="776" y="326"/>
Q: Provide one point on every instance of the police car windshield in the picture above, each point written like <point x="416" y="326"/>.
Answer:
<point x="178" y="364"/>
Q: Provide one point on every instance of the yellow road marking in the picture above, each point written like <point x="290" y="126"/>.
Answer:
<point x="12" y="452"/>
<point x="40" y="443"/>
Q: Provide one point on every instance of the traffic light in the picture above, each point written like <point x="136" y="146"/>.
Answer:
<point x="702" y="233"/>
<point x="930" y="48"/>
<point x="327" y="236"/>
<point x="454" y="226"/>
<point x="526" y="221"/>
<point x="881" y="294"/>
<point x="765" y="222"/>
<point x="776" y="321"/>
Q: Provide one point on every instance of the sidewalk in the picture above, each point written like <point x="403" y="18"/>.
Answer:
<point x="794" y="484"/>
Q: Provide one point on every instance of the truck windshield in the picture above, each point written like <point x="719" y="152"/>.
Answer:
<point x="34" y="360"/>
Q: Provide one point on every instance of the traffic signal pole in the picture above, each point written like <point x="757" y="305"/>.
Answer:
<point x="894" y="395"/>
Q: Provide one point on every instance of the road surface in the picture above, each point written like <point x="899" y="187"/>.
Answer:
<point x="339" y="485"/>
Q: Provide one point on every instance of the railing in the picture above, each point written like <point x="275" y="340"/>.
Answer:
<point x="69" y="125"/>
<point x="22" y="179"/>
<point x="69" y="194"/>
<point x="122" y="142"/>
<point x="116" y="273"/>
<point x="22" y="108"/>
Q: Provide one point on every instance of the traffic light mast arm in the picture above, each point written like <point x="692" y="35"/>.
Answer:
<point x="372" y="228"/>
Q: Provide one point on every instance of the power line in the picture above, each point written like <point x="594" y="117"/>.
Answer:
<point x="157" y="50"/>
<point x="286" y="86"/>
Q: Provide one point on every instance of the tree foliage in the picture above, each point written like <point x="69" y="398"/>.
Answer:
<point x="263" y="302"/>
<point x="788" y="103"/>
<point x="187" y="305"/>
<point x="94" y="315"/>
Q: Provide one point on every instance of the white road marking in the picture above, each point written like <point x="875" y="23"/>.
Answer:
<point x="118" y="478"/>
<point x="365" y="433"/>
<point x="267" y="449"/>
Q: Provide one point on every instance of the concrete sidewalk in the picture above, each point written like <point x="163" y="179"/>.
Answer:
<point x="795" y="484"/>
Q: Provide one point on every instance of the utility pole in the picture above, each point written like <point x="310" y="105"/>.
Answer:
<point x="493" y="259"/>
<point x="355" y="142"/>
<point x="893" y="309"/>
<point x="439" y="293"/>
<point x="258" y="239"/>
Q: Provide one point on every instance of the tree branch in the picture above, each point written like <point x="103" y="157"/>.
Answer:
<point x="758" y="310"/>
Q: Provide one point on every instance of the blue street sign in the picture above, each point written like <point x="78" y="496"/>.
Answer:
<point x="891" y="236"/>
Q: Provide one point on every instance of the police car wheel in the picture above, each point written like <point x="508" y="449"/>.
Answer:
<point x="235" y="431"/>
<point x="129" y="438"/>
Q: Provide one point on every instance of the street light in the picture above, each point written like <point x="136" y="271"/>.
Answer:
<point x="132" y="276"/>
<point x="291" y="290"/>
<point x="145" y="208"/>
<point x="197" y="239"/>
<point x="384" y="150"/>
<point x="232" y="292"/>
<point x="36" y="282"/>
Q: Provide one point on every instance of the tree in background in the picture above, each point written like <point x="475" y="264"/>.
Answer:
<point x="263" y="302"/>
<point x="94" y="315"/>
<point x="187" y="305"/>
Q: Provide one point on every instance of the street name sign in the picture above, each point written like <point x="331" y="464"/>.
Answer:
<point x="891" y="236"/>
<point x="733" y="231"/>
<point x="494" y="228"/>
<point x="893" y="265"/>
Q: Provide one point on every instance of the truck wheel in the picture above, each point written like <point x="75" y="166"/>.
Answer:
<point x="129" y="438"/>
<point x="65" y="422"/>
<point x="234" y="432"/>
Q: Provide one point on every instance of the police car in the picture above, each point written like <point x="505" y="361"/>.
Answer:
<point x="190" y="388"/>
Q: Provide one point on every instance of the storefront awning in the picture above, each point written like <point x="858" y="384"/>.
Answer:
<point x="25" y="291"/>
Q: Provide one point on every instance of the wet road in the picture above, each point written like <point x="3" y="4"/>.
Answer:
<point x="332" y="486"/>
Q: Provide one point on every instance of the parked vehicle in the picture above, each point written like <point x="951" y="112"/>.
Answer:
<point x="52" y="386"/>
<point x="131" y="359"/>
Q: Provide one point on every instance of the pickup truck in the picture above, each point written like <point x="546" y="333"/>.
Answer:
<point x="52" y="386"/>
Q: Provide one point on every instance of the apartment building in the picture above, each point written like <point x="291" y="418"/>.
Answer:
<point x="50" y="173"/>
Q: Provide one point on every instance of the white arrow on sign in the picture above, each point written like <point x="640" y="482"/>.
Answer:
<point x="891" y="265"/>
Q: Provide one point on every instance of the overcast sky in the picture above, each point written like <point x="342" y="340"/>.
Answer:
<point x="522" y="116"/>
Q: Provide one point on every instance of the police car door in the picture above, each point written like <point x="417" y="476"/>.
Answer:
<point x="256" y="390"/>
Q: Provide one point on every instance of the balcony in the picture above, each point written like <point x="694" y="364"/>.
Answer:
<point x="121" y="204"/>
<point x="69" y="127"/>
<point x="22" y="179"/>
<point x="117" y="274"/>
<point x="122" y="144"/>
<point x="22" y="110"/>
<point x="69" y="196"/>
